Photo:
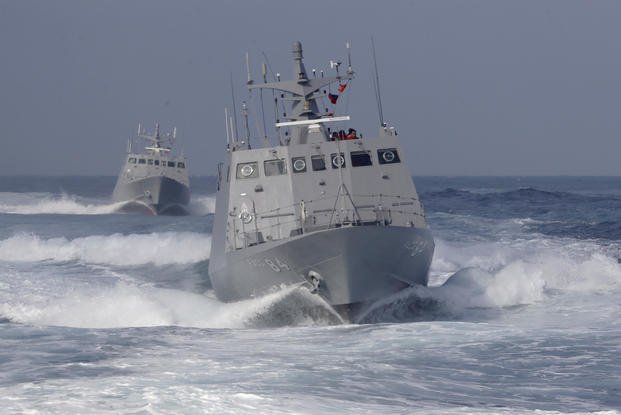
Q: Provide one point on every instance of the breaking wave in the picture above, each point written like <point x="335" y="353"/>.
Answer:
<point x="492" y="277"/>
<point x="117" y="249"/>
<point x="67" y="204"/>
<point x="128" y="305"/>
<point x="47" y="203"/>
<point x="557" y="264"/>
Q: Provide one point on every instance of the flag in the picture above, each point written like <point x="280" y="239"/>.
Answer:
<point x="333" y="98"/>
<point x="342" y="87"/>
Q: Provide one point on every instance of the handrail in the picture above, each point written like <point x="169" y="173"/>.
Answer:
<point x="310" y="201"/>
<point x="325" y="214"/>
<point x="296" y="216"/>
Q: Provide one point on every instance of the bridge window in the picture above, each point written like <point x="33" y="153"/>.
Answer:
<point x="275" y="167"/>
<point x="318" y="162"/>
<point x="338" y="160"/>
<point x="132" y="160"/>
<point x="157" y="162"/>
<point x="360" y="158"/>
<point x="388" y="156"/>
<point x="247" y="170"/>
<point x="181" y="165"/>
<point x="171" y="164"/>
<point x="142" y="161"/>
<point x="150" y="162"/>
<point x="299" y="164"/>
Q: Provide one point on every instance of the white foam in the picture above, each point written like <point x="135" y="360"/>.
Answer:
<point x="120" y="306"/>
<point x="476" y="288"/>
<point x="47" y="203"/>
<point x="66" y="204"/>
<point x="129" y="305"/>
<point x="502" y="275"/>
<point x="450" y="257"/>
<point x="117" y="249"/>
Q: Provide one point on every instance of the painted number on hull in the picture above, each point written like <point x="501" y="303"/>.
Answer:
<point x="415" y="247"/>
<point x="275" y="264"/>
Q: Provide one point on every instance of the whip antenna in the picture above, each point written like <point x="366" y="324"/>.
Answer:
<point x="264" y="73"/>
<point x="226" y="124"/>
<point x="233" y="130"/>
<point x="376" y="87"/>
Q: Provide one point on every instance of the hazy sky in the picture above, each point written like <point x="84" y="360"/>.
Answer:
<point x="485" y="87"/>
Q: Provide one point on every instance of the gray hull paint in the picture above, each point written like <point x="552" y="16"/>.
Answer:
<point x="155" y="195"/>
<point x="358" y="264"/>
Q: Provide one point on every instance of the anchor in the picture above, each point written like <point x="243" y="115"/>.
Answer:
<point x="314" y="279"/>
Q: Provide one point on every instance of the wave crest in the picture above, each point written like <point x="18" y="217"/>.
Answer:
<point x="47" y="203"/>
<point x="492" y="277"/>
<point x="67" y="204"/>
<point x="117" y="249"/>
<point x="130" y="305"/>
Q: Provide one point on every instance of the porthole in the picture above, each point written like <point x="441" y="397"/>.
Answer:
<point x="299" y="164"/>
<point x="247" y="170"/>
<point x="388" y="156"/>
<point x="338" y="160"/>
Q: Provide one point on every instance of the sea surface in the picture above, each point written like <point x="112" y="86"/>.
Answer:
<point x="108" y="313"/>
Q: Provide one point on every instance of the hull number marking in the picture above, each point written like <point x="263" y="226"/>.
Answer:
<point x="274" y="263"/>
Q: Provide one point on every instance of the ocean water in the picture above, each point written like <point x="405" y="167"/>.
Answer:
<point x="107" y="313"/>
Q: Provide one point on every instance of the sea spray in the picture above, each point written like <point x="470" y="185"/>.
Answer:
<point x="117" y="249"/>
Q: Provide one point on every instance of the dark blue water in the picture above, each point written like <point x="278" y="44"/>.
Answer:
<point x="581" y="207"/>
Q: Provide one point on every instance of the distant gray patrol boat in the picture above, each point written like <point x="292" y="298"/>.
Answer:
<point x="337" y="213"/>
<point x="154" y="181"/>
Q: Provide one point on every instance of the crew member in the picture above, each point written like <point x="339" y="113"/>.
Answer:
<point x="351" y="135"/>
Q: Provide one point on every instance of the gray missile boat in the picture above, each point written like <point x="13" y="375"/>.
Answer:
<point x="336" y="213"/>
<point x="153" y="181"/>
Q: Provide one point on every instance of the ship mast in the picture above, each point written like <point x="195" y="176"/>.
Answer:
<point x="157" y="141"/>
<point x="303" y="94"/>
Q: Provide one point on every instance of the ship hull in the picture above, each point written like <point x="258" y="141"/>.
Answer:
<point x="346" y="266"/>
<point x="156" y="195"/>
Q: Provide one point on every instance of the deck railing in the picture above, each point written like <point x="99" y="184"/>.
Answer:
<point x="252" y="227"/>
